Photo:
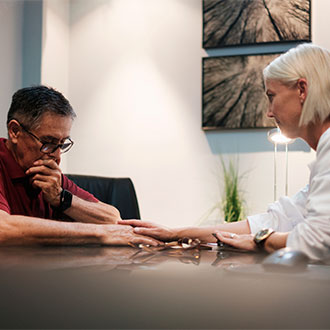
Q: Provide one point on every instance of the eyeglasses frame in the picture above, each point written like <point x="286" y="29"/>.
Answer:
<point x="56" y="146"/>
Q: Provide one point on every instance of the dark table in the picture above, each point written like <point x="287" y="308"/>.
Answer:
<point x="120" y="288"/>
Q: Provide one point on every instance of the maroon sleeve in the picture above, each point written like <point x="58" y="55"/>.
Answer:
<point x="4" y="205"/>
<point x="77" y="191"/>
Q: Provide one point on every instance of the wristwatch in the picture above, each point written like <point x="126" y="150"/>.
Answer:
<point x="65" y="200"/>
<point x="261" y="236"/>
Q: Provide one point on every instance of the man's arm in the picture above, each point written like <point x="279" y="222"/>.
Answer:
<point x="90" y="212"/>
<point x="23" y="230"/>
<point x="47" y="176"/>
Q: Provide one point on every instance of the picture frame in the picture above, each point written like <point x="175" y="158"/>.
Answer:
<point x="249" y="22"/>
<point x="233" y="94"/>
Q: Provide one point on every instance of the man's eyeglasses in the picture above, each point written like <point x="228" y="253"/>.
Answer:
<point x="49" y="148"/>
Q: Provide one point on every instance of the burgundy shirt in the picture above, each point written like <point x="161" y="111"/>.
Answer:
<point x="17" y="196"/>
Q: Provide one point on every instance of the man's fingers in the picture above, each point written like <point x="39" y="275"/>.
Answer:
<point x="51" y="163"/>
<point x="49" y="181"/>
<point x="40" y="177"/>
<point x="40" y="184"/>
<point x="40" y="169"/>
<point x="47" y="166"/>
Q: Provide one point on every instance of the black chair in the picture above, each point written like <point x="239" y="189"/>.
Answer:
<point x="118" y="192"/>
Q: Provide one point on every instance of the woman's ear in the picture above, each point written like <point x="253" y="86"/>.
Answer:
<point x="14" y="130"/>
<point x="302" y="89"/>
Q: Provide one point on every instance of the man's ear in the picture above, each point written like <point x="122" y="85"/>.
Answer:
<point x="302" y="89"/>
<point x="14" y="130"/>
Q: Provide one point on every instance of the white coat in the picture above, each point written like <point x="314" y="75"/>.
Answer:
<point x="306" y="215"/>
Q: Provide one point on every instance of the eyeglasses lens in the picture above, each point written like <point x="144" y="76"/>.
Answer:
<point x="49" y="148"/>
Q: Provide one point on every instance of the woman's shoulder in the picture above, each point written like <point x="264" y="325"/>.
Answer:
<point x="324" y="142"/>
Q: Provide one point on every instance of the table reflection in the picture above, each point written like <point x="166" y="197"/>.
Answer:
<point x="111" y="258"/>
<point x="133" y="288"/>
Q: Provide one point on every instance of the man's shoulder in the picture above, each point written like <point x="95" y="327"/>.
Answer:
<point x="324" y="142"/>
<point x="3" y="153"/>
<point x="3" y="147"/>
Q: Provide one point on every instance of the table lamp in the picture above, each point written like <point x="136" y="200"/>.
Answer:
<point x="276" y="137"/>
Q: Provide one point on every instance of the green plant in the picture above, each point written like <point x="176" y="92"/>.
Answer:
<point x="232" y="201"/>
<point x="231" y="205"/>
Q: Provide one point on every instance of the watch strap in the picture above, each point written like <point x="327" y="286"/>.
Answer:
<point x="65" y="200"/>
<point x="261" y="237"/>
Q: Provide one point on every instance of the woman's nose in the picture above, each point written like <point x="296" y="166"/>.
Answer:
<point x="270" y="112"/>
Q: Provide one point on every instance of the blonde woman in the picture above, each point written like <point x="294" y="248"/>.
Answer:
<point x="298" y="89"/>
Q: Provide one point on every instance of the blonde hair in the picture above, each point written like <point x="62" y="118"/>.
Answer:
<point x="312" y="63"/>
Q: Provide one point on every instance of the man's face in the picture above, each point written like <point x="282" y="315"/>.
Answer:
<point x="52" y="129"/>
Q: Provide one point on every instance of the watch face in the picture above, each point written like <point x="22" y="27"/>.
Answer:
<point x="262" y="234"/>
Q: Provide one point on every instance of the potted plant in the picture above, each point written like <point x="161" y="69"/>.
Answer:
<point x="232" y="200"/>
<point x="230" y="207"/>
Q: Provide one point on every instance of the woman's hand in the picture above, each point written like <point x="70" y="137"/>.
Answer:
<point x="151" y="229"/>
<point x="243" y="242"/>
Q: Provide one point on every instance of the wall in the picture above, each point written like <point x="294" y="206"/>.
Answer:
<point x="31" y="42"/>
<point x="135" y="82"/>
<point x="55" y="44"/>
<point x="11" y="22"/>
<point x="55" y="49"/>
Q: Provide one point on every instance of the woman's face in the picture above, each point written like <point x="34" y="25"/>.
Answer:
<point x="285" y="105"/>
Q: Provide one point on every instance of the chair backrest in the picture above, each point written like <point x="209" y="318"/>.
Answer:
<point x="119" y="192"/>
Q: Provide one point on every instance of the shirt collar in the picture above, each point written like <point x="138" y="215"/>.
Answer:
<point x="323" y="136"/>
<point x="13" y="169"/>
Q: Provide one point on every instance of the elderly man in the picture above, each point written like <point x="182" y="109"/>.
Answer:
<point x="33" y="190"/>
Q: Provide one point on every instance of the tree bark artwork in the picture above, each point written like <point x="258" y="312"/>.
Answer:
<point x="233" y="92"/>
<point x="246" y="22"/>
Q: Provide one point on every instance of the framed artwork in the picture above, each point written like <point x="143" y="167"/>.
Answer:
<point x="247" y="22"/>
<point x="233" y="94"/>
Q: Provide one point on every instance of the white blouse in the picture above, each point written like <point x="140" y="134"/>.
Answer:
<point x="307" y="214"/>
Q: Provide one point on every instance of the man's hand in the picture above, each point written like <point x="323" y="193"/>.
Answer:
<point x="47" y="176"/>
<point x="151" y="229"/>
<point x="124" y="235"/>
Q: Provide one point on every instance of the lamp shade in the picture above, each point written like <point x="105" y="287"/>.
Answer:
<point x="275" y="136"/>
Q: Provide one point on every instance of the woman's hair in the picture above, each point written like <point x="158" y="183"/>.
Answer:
<point x="312" y="63"/>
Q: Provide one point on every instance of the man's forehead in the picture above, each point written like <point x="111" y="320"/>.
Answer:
<point x="55" y="126"/>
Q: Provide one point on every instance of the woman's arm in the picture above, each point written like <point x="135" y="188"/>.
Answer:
<point x="171" y="234"/>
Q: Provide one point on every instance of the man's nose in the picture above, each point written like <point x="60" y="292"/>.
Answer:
<point x="56" y="155"/>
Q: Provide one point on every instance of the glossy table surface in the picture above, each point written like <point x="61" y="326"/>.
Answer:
<point x="127" y="288"/>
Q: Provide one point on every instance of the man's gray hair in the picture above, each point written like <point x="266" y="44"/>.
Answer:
<point x="30" y="103"/>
